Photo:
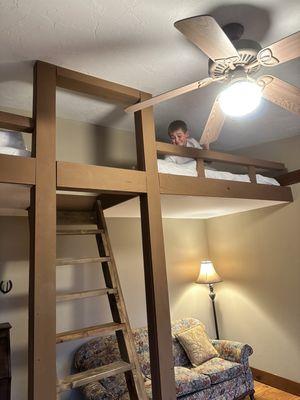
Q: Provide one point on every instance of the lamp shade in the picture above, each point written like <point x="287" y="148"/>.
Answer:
<point x="207" y="273"/>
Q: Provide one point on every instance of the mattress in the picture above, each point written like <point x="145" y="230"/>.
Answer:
<point x="14" y="151"/>
<point x="189" y="169"/>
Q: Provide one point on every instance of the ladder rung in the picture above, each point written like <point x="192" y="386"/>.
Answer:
<point x="90" y="331"/>
<point x="70" y="261"/>
<point x="79" y="231"/>
<point x="92" y="375"/>
<point x="84" y="294"/>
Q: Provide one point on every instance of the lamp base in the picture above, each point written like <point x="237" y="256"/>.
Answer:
<point x="212" y="295"/>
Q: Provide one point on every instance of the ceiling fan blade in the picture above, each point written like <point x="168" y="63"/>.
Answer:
<point x="207" y="34"/>
<point x="280" y="52"/>
<point x="213" y="125"/>
<point x="172" y="93"/>
<point x="280" y="92"/>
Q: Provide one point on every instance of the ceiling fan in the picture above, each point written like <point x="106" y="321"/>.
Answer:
<point x="232" y="61"/>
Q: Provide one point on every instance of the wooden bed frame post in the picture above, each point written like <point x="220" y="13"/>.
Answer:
<point x="157" y="298"/>
<point x="42" y="285"/>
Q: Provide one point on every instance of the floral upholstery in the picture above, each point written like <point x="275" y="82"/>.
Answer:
<point x="220" y="370"/>
<point x="97" y="352"/>
<point x="233" y="351"/>
<point x="229" y="390"/>
<point x="227" y="377"/>
<point x="188" y="380"/>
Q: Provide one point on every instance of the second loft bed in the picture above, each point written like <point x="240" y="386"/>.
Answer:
<point x="43" y="176"/>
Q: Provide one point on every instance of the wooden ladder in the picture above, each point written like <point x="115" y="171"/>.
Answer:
<point x="129" y="364"/>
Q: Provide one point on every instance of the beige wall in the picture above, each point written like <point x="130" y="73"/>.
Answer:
<point x="91" y="144"/>
<point x="258" y="256"/>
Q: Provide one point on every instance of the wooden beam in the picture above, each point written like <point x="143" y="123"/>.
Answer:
<point x="289" y="179"/>
<point x="42" y="282"/>
<point x="15" y="169"/>
<point x="208" y="155"/>
<point x="74" y="176"/>
<point x="157" y="299"/>
<point x="195" y="186"/>
<point x="93" y="86"/>
<point x="14" y="122"/>
<point x="108" y="200"/>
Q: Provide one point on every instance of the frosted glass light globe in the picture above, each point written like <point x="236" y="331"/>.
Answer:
<point x="240" y="98"/>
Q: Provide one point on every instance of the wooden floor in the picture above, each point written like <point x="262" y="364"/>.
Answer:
<point x="264" y="392"/>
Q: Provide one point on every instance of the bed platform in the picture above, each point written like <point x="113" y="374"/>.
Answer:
<point x="214" y="197"/>
<point x="38" y="182"/>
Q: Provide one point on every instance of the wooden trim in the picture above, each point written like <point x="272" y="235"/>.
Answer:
<point x="195" y="186"/>
<point x="200" y="168"/>
<point x="276" y="381"/>
<point x="42" y="274"/>
<point x="74" y="176"/>
<point x="156" y="285"/>
<point x="93" y="86"/>
<point x="15" y="169"/>
<point x="252" y="174"/>
<point x="14" y="122"/>
<point x="290" y="178"/>
<point x="208" y="155"/>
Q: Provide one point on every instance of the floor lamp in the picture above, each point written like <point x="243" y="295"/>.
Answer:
<point x="209" y="276"/>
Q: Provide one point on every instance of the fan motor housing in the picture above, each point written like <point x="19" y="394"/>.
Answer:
<point x="247" y="50"/>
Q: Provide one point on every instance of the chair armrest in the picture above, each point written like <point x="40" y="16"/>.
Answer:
<point x="233" y="351"/>
<point x="95" y="391"/>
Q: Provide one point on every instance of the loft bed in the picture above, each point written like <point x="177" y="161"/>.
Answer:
<point x="227" y="192"/>
<point x="48" y="185"/>
<point x="193" y="178"/>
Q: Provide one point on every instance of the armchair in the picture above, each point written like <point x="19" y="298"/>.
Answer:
<point x="227" y="377"/>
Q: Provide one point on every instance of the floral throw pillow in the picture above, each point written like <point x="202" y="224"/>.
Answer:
<point x="197" y="345"/>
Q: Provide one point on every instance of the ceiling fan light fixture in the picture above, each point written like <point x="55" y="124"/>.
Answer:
<point x="240" y="98"/>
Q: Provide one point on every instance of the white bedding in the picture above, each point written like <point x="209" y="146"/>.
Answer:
<point x="189" y="169"/>
<point x="13" y="151"/>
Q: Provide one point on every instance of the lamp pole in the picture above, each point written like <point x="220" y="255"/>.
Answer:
<point x="212" y="295"/>
<point x="209" y="276"/>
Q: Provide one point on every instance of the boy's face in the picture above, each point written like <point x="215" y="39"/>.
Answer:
<point x="179" y="137"/>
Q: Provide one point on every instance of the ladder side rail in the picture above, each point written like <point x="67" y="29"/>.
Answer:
<point x="125" y="340"/>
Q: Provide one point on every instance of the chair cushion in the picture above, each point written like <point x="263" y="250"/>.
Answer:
<point x="220" y="370"/>
<point x="189" y="381"/>
<point x="197" y="345"/>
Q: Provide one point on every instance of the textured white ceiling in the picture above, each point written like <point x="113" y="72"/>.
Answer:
<point x="133" y="42"/>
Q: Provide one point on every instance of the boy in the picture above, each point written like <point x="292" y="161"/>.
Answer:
<point x="180" y="136"/>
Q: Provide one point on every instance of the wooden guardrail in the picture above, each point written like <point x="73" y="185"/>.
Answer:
<point x="15" y="122"/>
<point x="208" y="155"/>
<point x="290" y="178"/>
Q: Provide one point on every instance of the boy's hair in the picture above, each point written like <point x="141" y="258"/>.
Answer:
<point x="175" y="125"/>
